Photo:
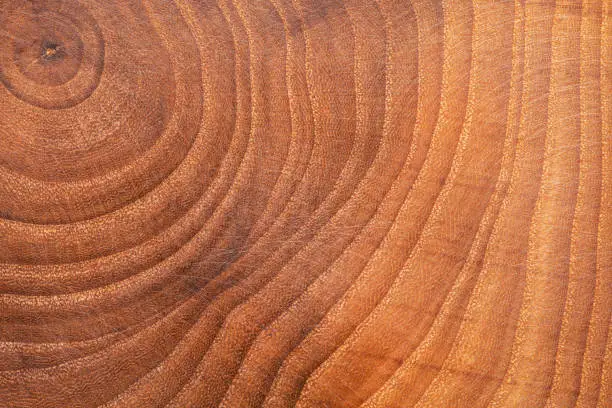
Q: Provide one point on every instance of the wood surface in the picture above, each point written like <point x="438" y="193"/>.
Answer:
<point x="309" y="203"/>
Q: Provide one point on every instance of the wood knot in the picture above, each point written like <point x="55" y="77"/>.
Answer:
<point x="51" y="51"/>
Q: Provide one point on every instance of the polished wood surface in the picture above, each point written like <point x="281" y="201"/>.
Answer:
<point x="310" y="203"/>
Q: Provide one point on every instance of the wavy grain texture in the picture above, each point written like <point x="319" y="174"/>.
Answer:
<point x="305" y="203"/>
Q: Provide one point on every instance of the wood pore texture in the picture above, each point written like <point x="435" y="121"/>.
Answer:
<point x="305" y="203"/>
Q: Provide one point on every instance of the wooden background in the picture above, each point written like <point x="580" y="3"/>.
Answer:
<point x="311" y="203"/>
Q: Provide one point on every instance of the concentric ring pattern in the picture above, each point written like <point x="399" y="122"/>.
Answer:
<point x="311" y="203"/>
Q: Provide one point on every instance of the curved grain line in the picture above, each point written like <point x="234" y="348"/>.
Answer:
<point x="463" y="360"/>
<point x="257" y="208"/>
<point x="583" y="250"/>
<point x="522" y="383"/>
<point x="403" y="384"/>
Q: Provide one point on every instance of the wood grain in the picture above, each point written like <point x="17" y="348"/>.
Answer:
<point x="309" y="203"/>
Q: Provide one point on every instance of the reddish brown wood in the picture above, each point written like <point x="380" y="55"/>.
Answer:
<point x="310" y="203"/>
